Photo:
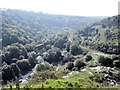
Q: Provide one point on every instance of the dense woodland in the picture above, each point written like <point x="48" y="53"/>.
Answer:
<point x="54" y="46"/>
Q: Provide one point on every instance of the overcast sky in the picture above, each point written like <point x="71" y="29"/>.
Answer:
<point x="66" y="7"/>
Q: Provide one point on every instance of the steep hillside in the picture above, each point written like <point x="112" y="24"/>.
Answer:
<point x="23" y="25"/>
<point x="104" y="35"/>
<point x="41" y="20"/>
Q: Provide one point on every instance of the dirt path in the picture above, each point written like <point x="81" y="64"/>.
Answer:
<point x="95" y="52"/>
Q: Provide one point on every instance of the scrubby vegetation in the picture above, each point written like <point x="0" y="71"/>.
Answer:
<point x="61" y="51"/>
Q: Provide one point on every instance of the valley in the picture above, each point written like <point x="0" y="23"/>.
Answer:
<point x="59" y="51"/>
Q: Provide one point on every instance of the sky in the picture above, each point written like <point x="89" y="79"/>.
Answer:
<point x="65" y="7"/>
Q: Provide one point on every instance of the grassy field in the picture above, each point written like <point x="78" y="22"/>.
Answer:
<point x="76" y="80"/>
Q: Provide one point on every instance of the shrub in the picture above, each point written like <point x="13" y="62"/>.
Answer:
<point x="48" y="47"/>
<point x="105" y="61"/>
<point x="42" y="66"/>
<point x="15" y="69"/>
<point x="117" y="63"/>
<point x="88" y="58"/>
<point x="7" y="73"/>
<point x="70" y="65"/>
<point x="14" y="60"/>
<point x="75" y="50"/>
<point x="39" y="67"/>
<point x="60" y="43"/>
<point x="7" y="58"/>
<point x="68" y="57"/>
<point x="114" y="57"/>
<point x="103" y="26"/>
<point x="78" y="63"/>
<point x="32" y="61"/>
<point x="39" y="59"/>
<point x="21" y="57"/>
<point x="13" y="51"/>
<point x="53" y="55"/>
<point x="33" y="54"/>
<point x="24" y="65"/>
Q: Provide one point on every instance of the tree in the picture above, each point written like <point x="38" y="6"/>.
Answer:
<point x="103" y="26"/>
<point x="13" y="52"/>
<point x="105" y="61"/>
<point x="32" y="61"/>
<point x="68" y="57"/>
<point x="29" y="47"/>
<point x="33" y="54"/>
<point x="21" y="57"/>
<point x="117" y="63"/>
<point x="88" y="58"/>
<point x="78" y="63"/>
<point x="53" y="55"/>
<point x="42" y="66"/>
<point x="24" y="65"/>
<point x="60" y="43"/>
<point x="22" y="49"/>
<point x="7" y="73"/>
<point x="39" y="67"/>
<point x="15" y="69"/>
<point x="75" y="50"/>
<point x="114" y="57"/>
<point x="14" y="60"/>
<point x="48" y="47"/>
<point x="70" y="65"/>
<point x="9" y="38"/>
<point x="39" y="59"/>
<point x="68" y="46"/>
<point x="6" y="57"/>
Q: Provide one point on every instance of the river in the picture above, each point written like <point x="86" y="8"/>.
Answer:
<point x="24" y="78"/>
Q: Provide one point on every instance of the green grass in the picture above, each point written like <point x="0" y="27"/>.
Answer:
<point x="13" y="86"/>
<point x="77" y="80"/>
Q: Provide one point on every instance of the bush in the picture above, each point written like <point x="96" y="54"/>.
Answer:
<point x="53" y="55"/>
<point x="39" y="67"/>
<point x="75" y="50"/>
<point x="88" y="58"/>
<point x="14" y="60"/>
<point x="67" y="46"/>
<point x="105" y="61"/>
<point x="68" y="57"/>
<point x="15" y="69"/>
<point x="21" y="57"/>
<point x="114" y="57"/>
<point x="39" y="59"/>
<point x="6" y="57"/>
<point x="7" y="73"/>
<point x="33" y="54"/>
<point x="24" y="65"/>
<point x="70" y="65"/>
<point x="42" y="66"/>
<point x="117" y="63"/>
<point x="60" y="43"/>
<point x="32" y="61"/>
<point x="48" y="47"/>
<point x="79" y="64"/>
<point x="103" y="26"/>
<point x="13" y="51"/>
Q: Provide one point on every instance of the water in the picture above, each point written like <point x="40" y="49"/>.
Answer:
<point x="59" y="64"/>
<point x="24" y="78"/>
